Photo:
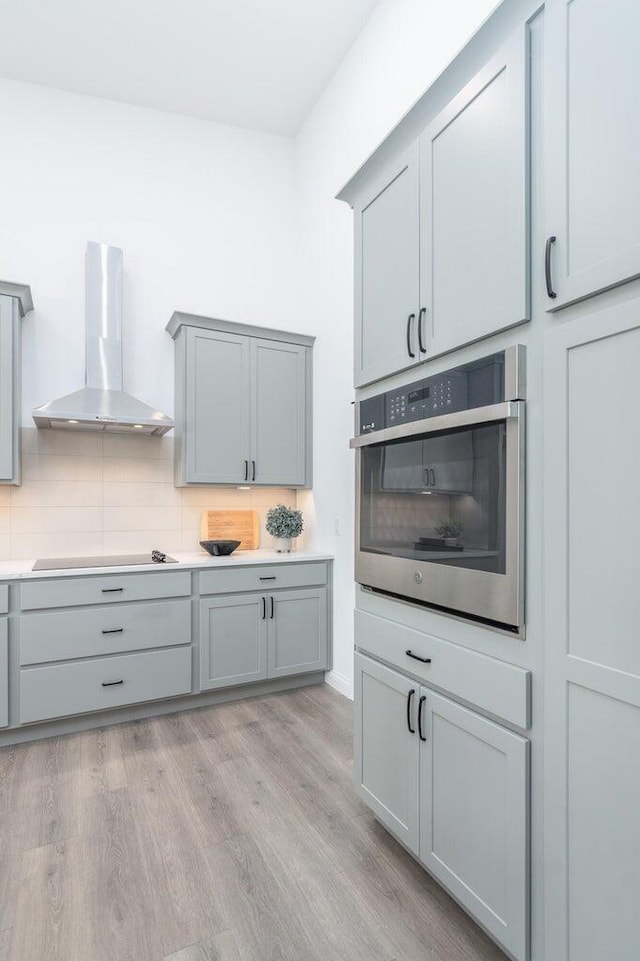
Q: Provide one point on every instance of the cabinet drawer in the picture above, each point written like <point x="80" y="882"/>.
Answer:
<point x="494" y="686"/>
<point x="103" y="589"/>
<point x="265" y="578"/>
<point x="4" y="598"/>
<point x="113" y="629"/>
<point x="59" y="690"/>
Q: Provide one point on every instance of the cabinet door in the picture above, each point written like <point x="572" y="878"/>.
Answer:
<point x="233" y="640"/>
<point x="7" y="391"/>
<point x="279" y="413"/>
<point x="474" y="837"/>
<point x="592" y="655"/>
<point x="474" y="206"/>
<point x="386" y="752"/>
<point x="217" y="387"/>
<point x="387" y="273"/>
<point x="297" y="632"/>
<point x="592" y="144"/>
<point x="4" y="674"/>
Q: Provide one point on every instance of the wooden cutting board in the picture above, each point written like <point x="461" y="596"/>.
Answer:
<point x="240" y="526"/>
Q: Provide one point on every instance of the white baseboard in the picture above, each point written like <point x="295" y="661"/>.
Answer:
<point x="340" y="683"/>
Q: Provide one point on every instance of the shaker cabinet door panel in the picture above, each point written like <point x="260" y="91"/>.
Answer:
<point x="592" y="144"/>
<point x="387" y="273"/>
<point x="474" y="816"/>
<point x="233" y="640"/>
<point x="218" y="407"/>
<point x="297" y="638"/>
<point x="279" y="412"/>
<point x="387" y="755"/>
<point x="474" y="206"/>
<point x="8" y="425"/>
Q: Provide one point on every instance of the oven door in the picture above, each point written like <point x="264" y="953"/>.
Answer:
<point x="440" y="512"/>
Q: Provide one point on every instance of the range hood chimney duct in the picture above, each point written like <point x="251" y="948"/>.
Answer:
<point x="102" y="404"/>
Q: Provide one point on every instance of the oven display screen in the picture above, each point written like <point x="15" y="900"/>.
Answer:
<point x="415" y="395"/>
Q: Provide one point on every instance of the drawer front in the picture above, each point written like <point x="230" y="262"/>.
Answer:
<point x="60" y="690"/>
<point x="112" y="629"/>
<point x="494" y="686"/>
<point x="4" y="673"/>
<point x="267" y="578"/>
<point x="4" y="598"/>
<point x="103" y="589"/>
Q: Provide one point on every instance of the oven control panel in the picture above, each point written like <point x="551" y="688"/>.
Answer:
<point x="472" y="385"/>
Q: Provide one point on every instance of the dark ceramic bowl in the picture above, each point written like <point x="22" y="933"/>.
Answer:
<point x="219" y="548"/>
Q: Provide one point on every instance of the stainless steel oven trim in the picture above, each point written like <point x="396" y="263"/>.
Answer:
<point x="430" y="425"/>
<point x="493" y="597"/>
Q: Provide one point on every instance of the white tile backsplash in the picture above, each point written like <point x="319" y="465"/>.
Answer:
<point x="110" y="494"/>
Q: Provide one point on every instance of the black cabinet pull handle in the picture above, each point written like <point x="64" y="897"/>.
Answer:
<point x="246" y="470"/>
<point x="271" y="577"/>
<point x="416" y="657"/>
<point x="410" y="320"/>
<point x="264" y="608"/>
<point x="547" y="268"/>
<point x="272" y="608"/>
<point x="420" y="706"/>
<point x="115" y="630"/>
<point x="421" y="315"/>
<point x="112" y="683"/>
<point x="112" y="590"/>
<point x="412" y="730"/>
<point x="425" y="471"/>
<point x="433" y="477"/>
<point x="253" y="470"/>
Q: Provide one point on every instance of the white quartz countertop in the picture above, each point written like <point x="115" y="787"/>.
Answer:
<point x="23" y="570"/>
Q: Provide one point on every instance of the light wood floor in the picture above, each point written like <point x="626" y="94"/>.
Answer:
<point x="230" y="833"/>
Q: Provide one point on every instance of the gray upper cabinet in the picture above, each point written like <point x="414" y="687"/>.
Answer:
<point x="15" y="302"/>
<point x="217" y="384"/>
<point x="592" y="144"/>
<point x="387" y="272"/>
<point x="474" y="836"/>
<point x="278" y="421"/>
<point x="474" y="201"/>
<point x="243" y="404"/>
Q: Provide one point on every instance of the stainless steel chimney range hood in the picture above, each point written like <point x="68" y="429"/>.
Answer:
<point x="102" y="404"/>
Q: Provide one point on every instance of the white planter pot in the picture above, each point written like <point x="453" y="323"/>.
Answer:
<point x="283" y="545"/>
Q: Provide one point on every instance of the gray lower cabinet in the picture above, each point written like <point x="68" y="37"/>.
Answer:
<point x="454" y="788"/>
<point x="592" y="654"/>
<point x="4" y="673"/>
<point x="250" y="637"/>
<point x="243" y="404"/>
<point x="233" y="644"/>
<point x="387" y="283"/>
<point x="474" y="831"/>
<point x="592" y="141"/>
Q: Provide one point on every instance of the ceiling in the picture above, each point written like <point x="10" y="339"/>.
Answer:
<point x="260" y="64"/>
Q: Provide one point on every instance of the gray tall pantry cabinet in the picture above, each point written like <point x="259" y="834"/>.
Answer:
<point x="523" y="158"/>
<point x="15" y="302"/>
<point x="243" y="404"/>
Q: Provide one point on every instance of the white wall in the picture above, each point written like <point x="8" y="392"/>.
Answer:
<point x="404" y="46"/>
<point x="204" y="213"/>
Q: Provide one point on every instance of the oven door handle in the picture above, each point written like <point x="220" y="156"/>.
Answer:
<point x="510" y="410"/>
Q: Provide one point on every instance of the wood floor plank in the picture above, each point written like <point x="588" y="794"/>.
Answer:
<point x="231" y="833"/>
<point x="223" y="947"/>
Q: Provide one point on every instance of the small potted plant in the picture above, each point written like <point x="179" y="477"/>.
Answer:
<point x="449" y="529"/>
<point x="284" y="523"/>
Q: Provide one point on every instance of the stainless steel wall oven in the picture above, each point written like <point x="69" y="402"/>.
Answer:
<point x="440" y="490"/>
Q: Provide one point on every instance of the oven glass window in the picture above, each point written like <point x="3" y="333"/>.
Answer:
<point x="439" y="498"/>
